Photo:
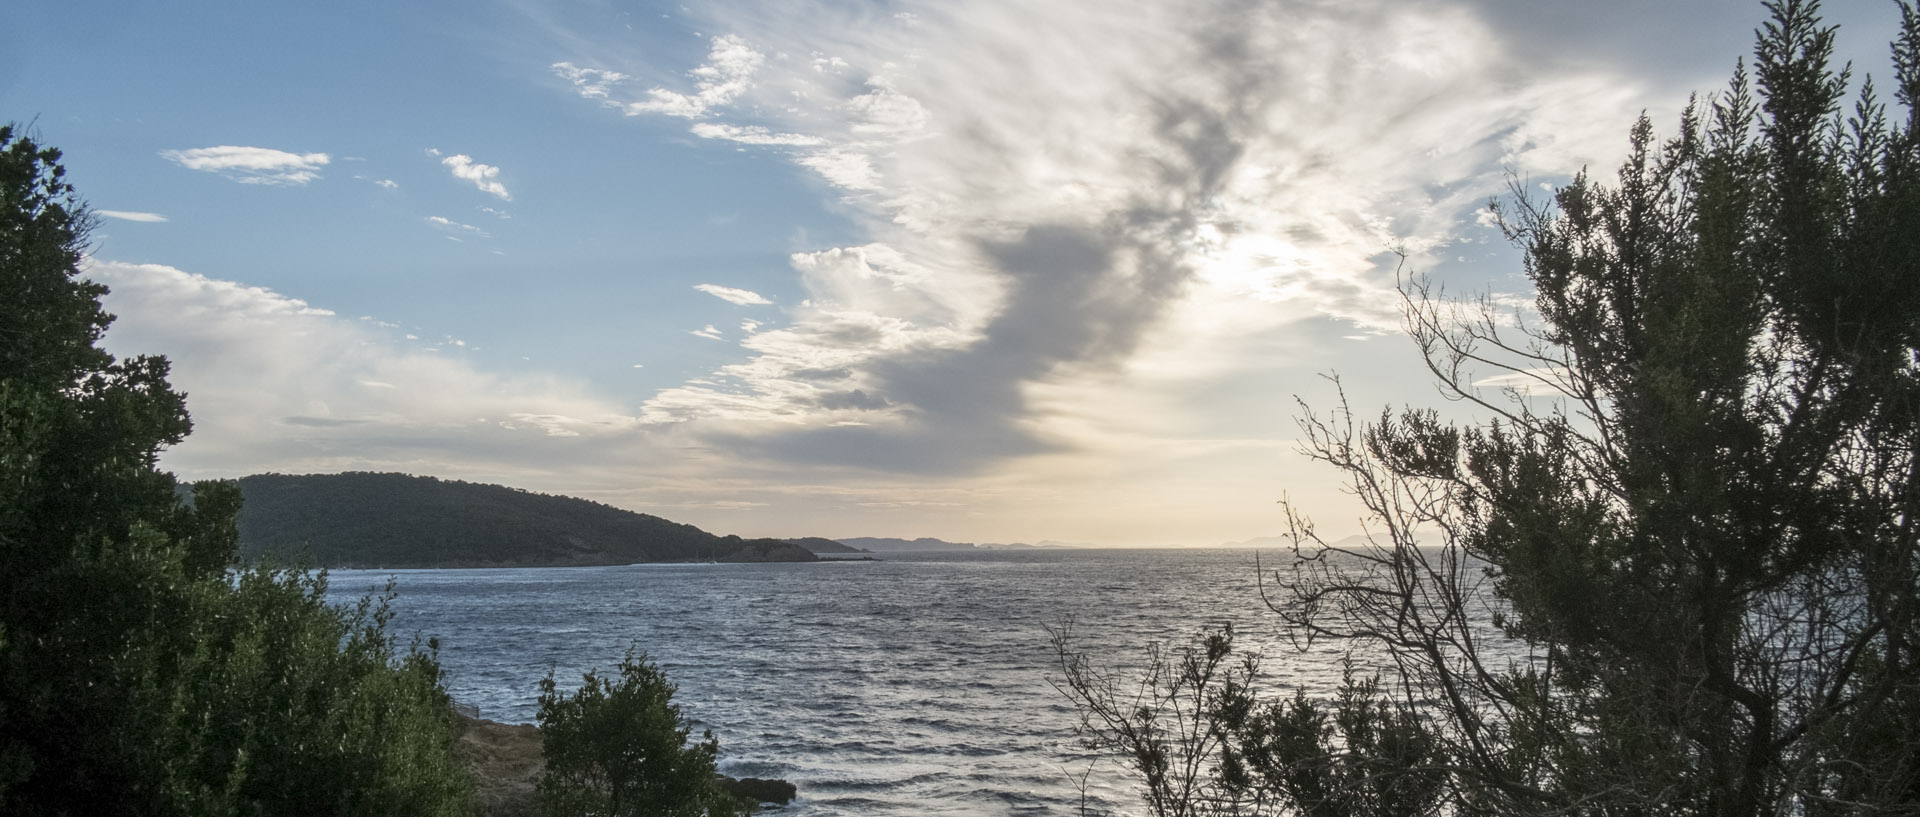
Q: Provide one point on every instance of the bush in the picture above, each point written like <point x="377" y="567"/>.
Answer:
<point x="285" y="704"/>
<point x="617" y="747"/>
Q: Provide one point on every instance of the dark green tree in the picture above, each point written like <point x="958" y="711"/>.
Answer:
<point x="1675" y="573"/>
<point x="617" y="747"/>
<point x="138" y="675"/>
<point x="79" y="433"/>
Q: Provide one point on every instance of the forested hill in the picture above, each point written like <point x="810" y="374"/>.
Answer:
<point x="397" y="520"/>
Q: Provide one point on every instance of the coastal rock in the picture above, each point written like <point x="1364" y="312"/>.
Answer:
<point x="779" y="792"/>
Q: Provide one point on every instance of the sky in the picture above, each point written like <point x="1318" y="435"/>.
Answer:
<point x="984" y="270"/>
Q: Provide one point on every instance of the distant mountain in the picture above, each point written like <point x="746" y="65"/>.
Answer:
<point x="1261" y="542"/>
<point x="819" y="545"/>
<point x="398" y="520"/>
<point x="879" y="544"/>
<point x="1044" y="544"/>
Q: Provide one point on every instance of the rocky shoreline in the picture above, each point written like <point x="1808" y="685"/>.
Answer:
<point x="506" y="760"/>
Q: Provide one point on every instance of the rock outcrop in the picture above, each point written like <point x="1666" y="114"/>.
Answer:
<point x="756" y="790"/>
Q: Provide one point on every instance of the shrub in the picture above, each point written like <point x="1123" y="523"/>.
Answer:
<point x="617" y="747"/>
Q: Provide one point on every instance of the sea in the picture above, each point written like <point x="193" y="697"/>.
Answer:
<point x="917" y="684"/>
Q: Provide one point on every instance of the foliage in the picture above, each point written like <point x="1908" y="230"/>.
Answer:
<point x="1677" y="573"/>
<point x="617" y="747"/>
<point x="137" y="675"/>
<point x="1161" y="725"/>
<point x="1203" y="740"/>
<point x="397" y="520"/>
<point x="287" y="704"/>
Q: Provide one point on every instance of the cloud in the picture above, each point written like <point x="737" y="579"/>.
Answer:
<point x="388" y="184"/>
<point x="591" y="83"/>
<point x="722" y="78"/>
<point x="131" y="215"/>
<point x="1535" y="381"/>
<point x="455" y="225"/>
<point x="752" y="135"/>
<point x="719" y="81"/>
<point x="251" y="165"/>
<point x="485" y="177"/>
<point x="275" y="383"/>
<point x="708" y="332"/>
<point x="1075" y="205"/>
<point x="741" y="297"/>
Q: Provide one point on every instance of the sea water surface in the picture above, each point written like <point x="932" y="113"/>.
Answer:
<point x="915" y="685"/>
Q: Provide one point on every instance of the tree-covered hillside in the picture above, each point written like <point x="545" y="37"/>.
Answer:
<point x="398" y="520"/>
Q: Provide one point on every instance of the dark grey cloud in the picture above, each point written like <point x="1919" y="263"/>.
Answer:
<point x="319" y="422"/>
<point x="821" y="375"/>
<point x="857" y="399"/>
<point x="1682" y="43"/>
<point x="1078" y="297"/>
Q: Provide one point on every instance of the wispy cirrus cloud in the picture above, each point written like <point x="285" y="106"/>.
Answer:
<point x="739" y="297"/>
<point x="450" y="224"/>
<point x="252" y="165"/>
<point x="721" y="79"/>
<point x="131" y="215"/>
<point x="591" y="83"/>
<point x="485" y="177"/>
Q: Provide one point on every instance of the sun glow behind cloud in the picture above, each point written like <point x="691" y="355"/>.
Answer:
<point x="1083" y="199"/>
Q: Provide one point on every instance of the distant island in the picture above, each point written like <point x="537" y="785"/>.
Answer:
<point x="881" y="544"/>
<point x="819" y="545"/>
<point x="380" y="520"/>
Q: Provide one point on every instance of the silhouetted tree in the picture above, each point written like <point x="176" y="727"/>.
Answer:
<point x="1676" y="573"/>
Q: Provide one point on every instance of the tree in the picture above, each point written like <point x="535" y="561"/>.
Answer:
<point x="78" y="435"/>
<point x="1676" y="572"/>
<point x="617" y="747"/>
<point x="138" y="674"/>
